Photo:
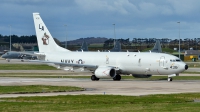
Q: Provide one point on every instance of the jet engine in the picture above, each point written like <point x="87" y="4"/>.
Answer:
<point x="141" y="75"/>
<point x="105" y="72"/>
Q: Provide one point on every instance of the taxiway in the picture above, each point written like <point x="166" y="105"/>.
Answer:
<point x="102" y="87"/>
<point x="106" y="86"/>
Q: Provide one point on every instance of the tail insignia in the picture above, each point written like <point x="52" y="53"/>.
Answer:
<point x="42" y="28"/>
<point x="45" y="39"/>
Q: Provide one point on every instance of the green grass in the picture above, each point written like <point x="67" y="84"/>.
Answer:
<point x="95" y="45"/>
<point x="36" y="89"/>
<point x="44" y="75"/>
<point x="168" y="50"/>
<point x="103" y="103"/>
<point x="26" y="67"/>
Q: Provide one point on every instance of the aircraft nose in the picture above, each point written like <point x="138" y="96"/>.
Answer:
<point x="186" y="67"/>
<point x="2" y="56"/>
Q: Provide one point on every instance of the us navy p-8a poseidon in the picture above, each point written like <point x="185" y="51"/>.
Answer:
<point x="107" y="64"/>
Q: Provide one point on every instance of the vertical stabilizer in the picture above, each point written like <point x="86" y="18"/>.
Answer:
<point x="45" y="41"/>
<point x="84" y="46"/>
<point x="117" y="47"/>
<point x="157" y="47"/>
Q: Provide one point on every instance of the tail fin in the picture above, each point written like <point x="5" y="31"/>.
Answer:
<point x="84" y="46"/>
<point x="45" y="41"/>
<point x="117" y="47"/>
<point x="157" y="47"/>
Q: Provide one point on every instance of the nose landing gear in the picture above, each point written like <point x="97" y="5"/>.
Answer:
<point x="169" y="79"/>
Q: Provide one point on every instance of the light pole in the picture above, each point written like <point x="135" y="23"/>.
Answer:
<point x="66" y="37"/>
<point x="10" y="37"/>
<point x="179" y="39"/>
<point x="114" y="34"/>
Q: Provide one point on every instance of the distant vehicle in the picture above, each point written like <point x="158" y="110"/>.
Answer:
<point x="106" y="64"/>
<point x="29" y="55"/>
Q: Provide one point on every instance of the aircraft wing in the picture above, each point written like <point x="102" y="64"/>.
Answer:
<point x="28" y="53"/>
<point x="62" y="64"/>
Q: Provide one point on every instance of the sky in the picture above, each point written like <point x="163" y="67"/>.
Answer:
<point x="73" y="19"/>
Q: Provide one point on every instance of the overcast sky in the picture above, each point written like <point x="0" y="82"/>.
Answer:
<point x="95" y="18"/>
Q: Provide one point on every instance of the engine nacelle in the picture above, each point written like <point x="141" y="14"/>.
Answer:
<point x="105" y="72"/>
<point x="141" y="75"/>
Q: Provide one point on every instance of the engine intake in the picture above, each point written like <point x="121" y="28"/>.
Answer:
<point x="105" y="72"/>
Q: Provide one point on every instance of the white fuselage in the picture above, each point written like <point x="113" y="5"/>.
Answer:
<point x="127" y="62"/>
<point x="106" y="64"/>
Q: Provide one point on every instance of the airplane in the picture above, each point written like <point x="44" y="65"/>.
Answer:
<point x="19" y="55"/>
<point x="110" y="65"/>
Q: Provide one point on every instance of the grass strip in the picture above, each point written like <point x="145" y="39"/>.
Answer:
<point x="26" y="67"/>
<point x="36" y="89"/>
<point x="104" y="103"/>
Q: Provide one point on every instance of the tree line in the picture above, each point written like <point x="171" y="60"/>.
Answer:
<point x="18" y="39"/>
<point x="185" y="43"/>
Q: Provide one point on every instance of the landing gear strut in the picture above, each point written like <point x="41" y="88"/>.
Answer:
<point x="8" y="60"/>
<point x="94" y="78"/>
<point x="117" y="78"/>
<point x="169" y="79"/>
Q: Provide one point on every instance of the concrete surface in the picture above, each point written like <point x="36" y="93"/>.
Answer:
<point x="106" y="86"/>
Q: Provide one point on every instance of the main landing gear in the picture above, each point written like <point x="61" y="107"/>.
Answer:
<point x="169" y="79"/>
<point x="117" y="78"/>
<point x="94" y="78"/>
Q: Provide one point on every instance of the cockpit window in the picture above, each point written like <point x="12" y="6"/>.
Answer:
<point x="175" y="60"/>
<point x="178" y="60"/>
